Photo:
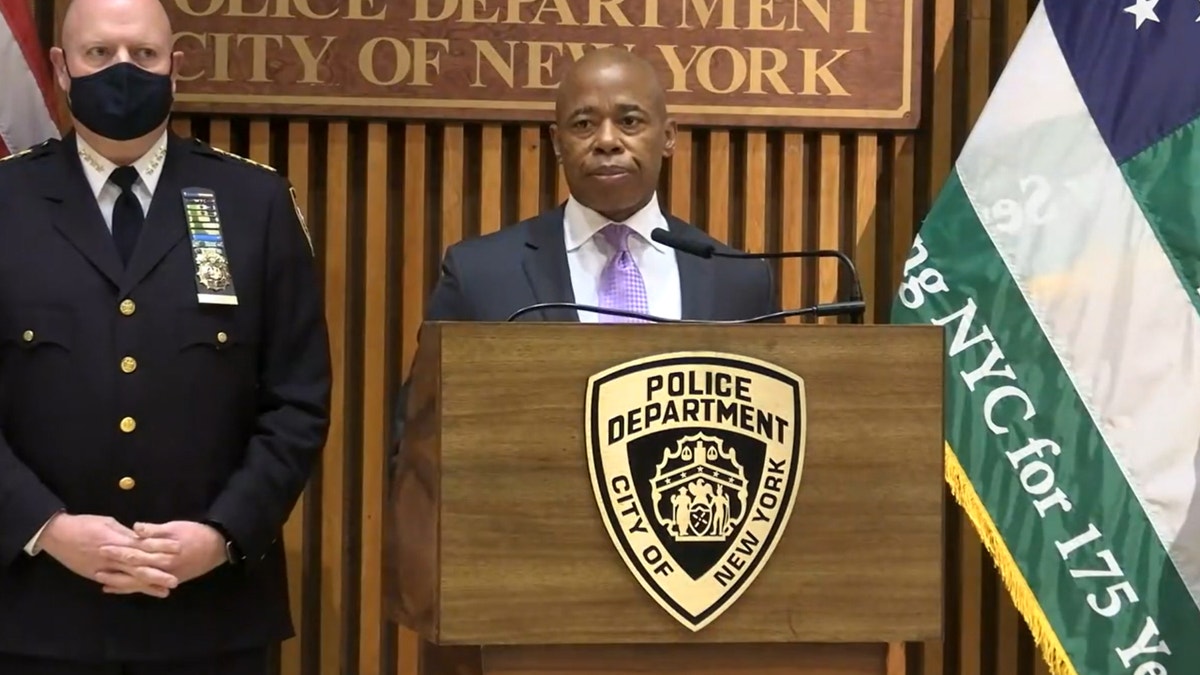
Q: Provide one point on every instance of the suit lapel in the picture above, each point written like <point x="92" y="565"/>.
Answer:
<point x="696" y="280"/>
<point x="77" y="216"/>
<point x="165" y="226"/>
<point x="545" y="265"/>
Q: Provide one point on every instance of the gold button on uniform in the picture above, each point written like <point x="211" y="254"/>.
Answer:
<point x="128" y="424"/>
<point x="128" y="364"/>
<point x="128" y="307"/>
<point x="127" y="483"/>
<point x="222" y="337"/>
<point x="27" y="336"/>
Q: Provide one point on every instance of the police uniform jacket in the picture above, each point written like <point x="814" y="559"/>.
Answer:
<point x="121" y="395"/>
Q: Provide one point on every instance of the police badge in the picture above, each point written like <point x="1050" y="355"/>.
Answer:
<point x="695" y="460"/>
<point x="212" y="270"/>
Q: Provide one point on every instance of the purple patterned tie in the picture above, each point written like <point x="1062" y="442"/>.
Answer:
<point x="621" y="284"/>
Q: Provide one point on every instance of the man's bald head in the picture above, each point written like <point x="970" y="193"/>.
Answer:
<point x="146" y="17"/>
<point x="126" y="46"/>
<point x="610" y="63"/>
<point x="97" y="34"/>
<point x="612" y="131"/>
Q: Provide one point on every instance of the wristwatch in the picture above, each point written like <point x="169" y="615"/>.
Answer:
<point x="233" y="554"/>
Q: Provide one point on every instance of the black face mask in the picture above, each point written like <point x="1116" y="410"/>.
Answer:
<point x="121" y="102"/>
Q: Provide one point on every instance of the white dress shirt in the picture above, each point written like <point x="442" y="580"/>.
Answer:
<point x="587" y="254"/>
<point x="98" y="169"/>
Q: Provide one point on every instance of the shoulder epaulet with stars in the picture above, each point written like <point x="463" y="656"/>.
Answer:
<point x="30" y="153"/>
<point x="218" y="152"/>
<point x="225" y="153"/>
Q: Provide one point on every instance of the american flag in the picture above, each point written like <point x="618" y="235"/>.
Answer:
<point x="27" y="112"/>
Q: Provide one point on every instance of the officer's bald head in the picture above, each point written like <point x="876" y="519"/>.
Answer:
<point x="97" y="34"/>
<point x="143" y="19"/>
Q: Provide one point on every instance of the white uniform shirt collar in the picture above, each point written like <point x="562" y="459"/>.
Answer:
<point x="97" y="168"/>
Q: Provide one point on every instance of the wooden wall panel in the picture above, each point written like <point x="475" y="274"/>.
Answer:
<point x="384" y="198"/>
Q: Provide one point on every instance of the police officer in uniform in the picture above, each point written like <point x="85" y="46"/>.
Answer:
<point x="164" y="378"/>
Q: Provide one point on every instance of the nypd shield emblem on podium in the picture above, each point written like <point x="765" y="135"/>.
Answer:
<point x="695" y="461"/>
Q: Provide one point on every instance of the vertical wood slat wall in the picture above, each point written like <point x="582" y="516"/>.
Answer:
<point x="385" y="198"/>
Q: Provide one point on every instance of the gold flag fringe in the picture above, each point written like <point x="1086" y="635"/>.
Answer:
<point x="1023" y="598"/>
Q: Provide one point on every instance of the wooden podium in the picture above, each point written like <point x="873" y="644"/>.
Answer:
<point x="501" y="555"/>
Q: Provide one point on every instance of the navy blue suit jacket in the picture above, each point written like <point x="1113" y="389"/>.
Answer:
<point x="489" y="278"/>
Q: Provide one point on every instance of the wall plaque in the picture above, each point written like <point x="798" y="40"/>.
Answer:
<point x="759" y="63"/>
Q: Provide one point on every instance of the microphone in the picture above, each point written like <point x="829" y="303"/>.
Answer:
<point x="828" y="309"/>
<point x="854" y="307"/>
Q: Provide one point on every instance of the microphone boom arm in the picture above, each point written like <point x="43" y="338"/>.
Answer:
<point x="705" y="249"/>
<point x="830" y="309"/>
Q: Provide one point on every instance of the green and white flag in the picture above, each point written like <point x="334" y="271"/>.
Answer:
<point x="1062" y="257"/>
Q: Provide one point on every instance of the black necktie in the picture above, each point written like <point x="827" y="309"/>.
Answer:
<point x="127" y="214"/>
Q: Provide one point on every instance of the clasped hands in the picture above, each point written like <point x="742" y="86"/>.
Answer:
<point x="152" y="559"/>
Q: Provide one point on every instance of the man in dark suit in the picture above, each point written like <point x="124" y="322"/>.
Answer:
<point x="611" y="133"/>
<point x="164" y="378"/>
